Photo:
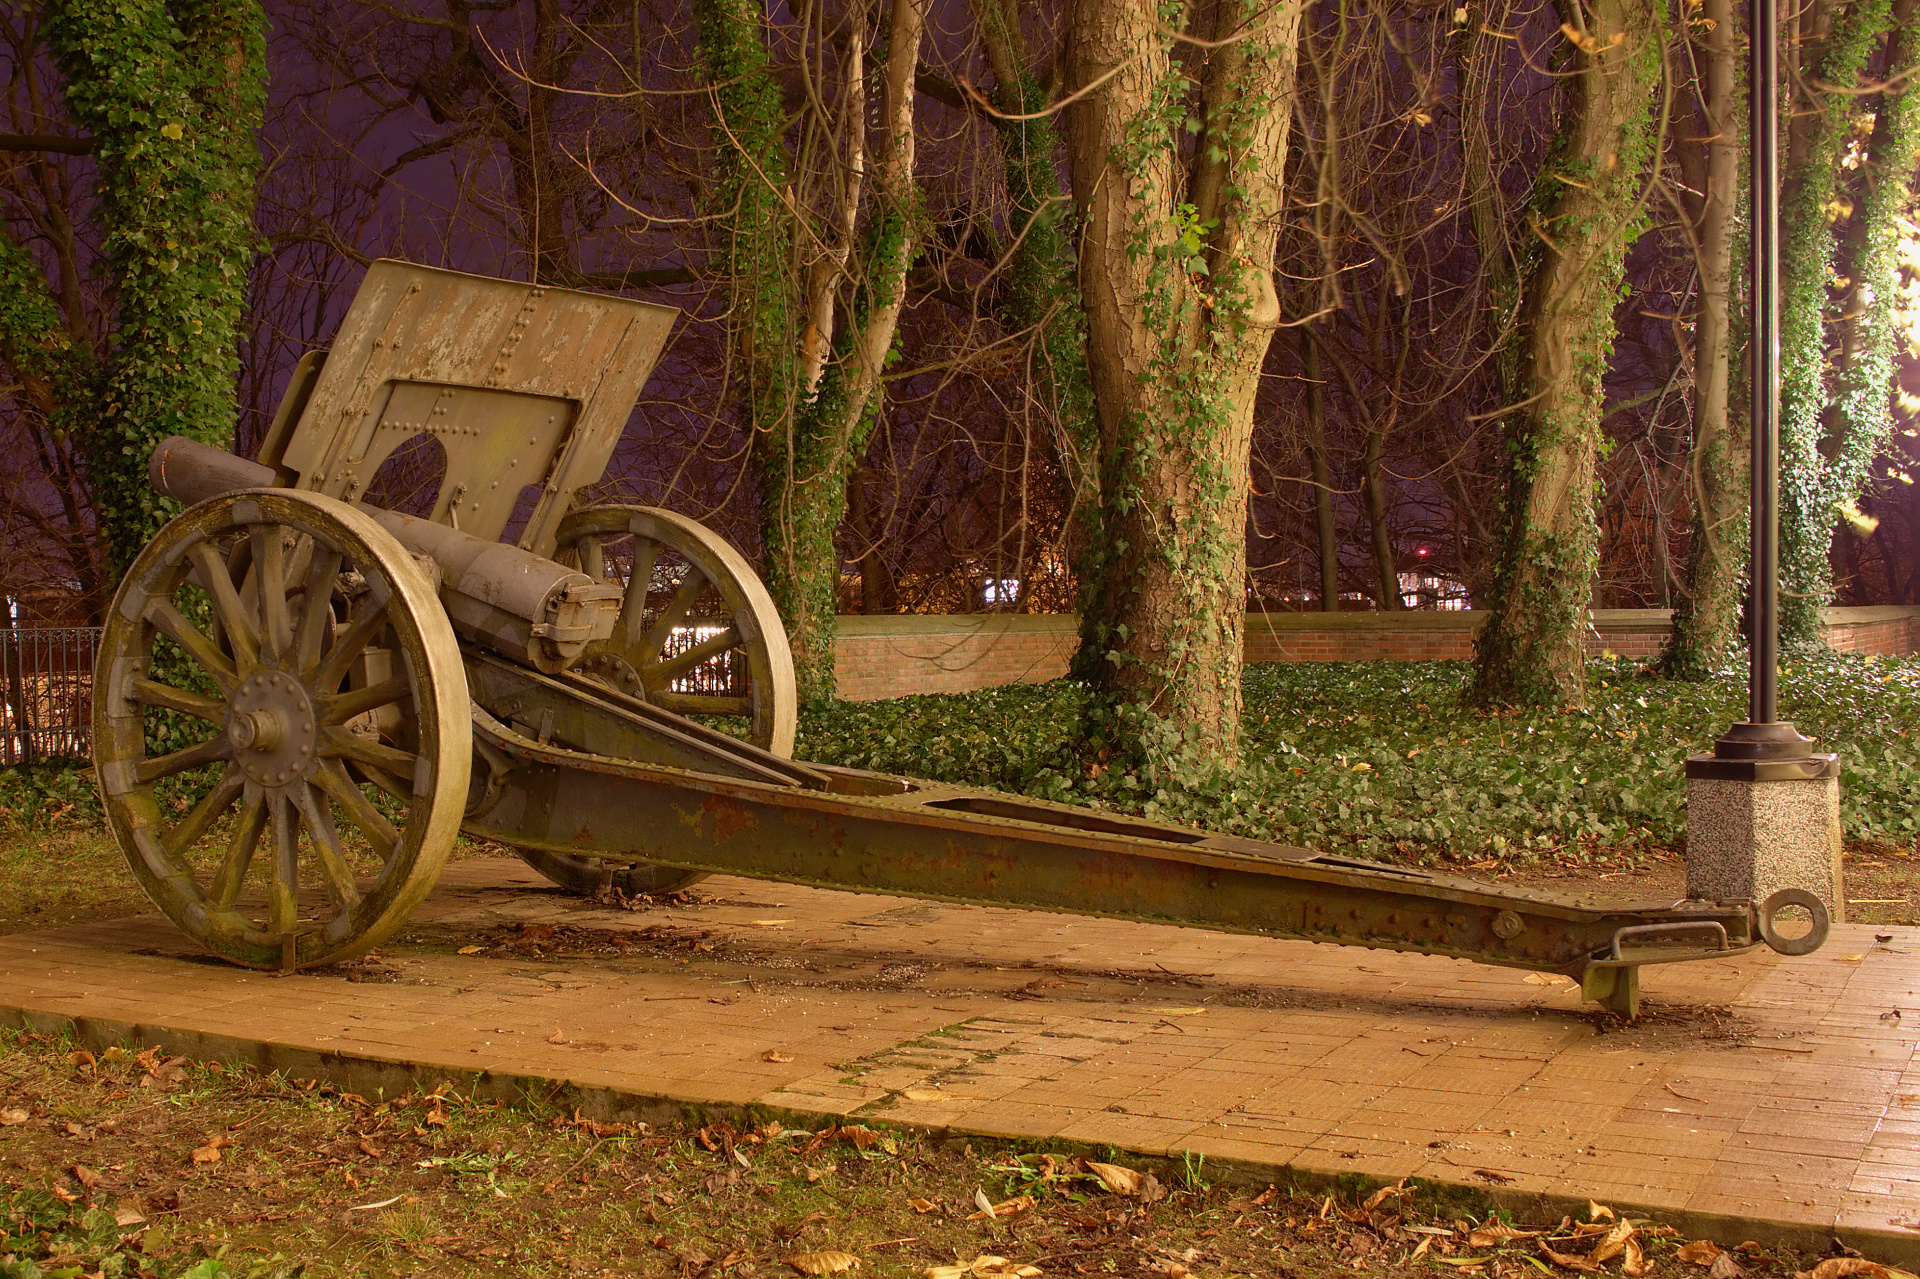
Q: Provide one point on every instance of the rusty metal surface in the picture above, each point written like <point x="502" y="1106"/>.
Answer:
<point x="523" y="385"/>
<point x="874" y="833"/>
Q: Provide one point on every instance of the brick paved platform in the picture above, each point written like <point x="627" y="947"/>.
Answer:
<point x="1758" y="1098"/>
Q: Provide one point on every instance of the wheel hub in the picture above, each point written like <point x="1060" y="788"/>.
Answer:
<point x="271" y="723"/>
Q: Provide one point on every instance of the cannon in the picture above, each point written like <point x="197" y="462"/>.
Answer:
<point x="303" y="697"/>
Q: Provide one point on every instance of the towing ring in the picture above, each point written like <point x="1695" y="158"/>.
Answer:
<point x="1775" y="903"/>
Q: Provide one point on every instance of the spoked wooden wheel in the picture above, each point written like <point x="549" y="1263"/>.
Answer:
<point x="698" y="635"/>
<point x="271" y="656"/>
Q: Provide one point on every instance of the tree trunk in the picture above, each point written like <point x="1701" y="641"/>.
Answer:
<point x="1706" y="618"/>
<point x="1323" y="513"/>
<point x="173" y="96"/>
<point x="1532" y="649"/>
<point x="1810" y="491"/>
<point x="1040" y="293"/>
<point x="1861" y="418"/>
<point x="1176" y="274"/>
<point x="812" y="341"/>
<point x="1386" y="572"/>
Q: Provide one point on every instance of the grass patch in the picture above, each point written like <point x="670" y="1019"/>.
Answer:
<point x="130" y="1163"/>
<point x="1384" y="759"/>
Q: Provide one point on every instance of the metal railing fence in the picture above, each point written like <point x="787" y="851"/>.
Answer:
<point x="46" y="692"/>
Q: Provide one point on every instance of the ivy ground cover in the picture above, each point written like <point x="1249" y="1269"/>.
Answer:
<point x="1385" y="759"/>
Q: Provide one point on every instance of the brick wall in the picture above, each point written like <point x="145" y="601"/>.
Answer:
<point x="894" y="656"/>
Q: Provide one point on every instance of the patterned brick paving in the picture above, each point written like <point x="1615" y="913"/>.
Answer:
<point x="1762" y="1089"/>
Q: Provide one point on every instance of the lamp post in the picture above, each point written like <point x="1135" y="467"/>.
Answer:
<point x="1763" y="810"/>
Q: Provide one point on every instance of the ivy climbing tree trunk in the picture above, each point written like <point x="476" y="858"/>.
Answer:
<point x="1861" y="420"/>
<point x="1813" y="485"/>
<point x="172" y="96"/>
<point x="816" y="295"/>
<point x="1040" y="294"/>
<point x="1706" y="617"/>
<point x="1532" y="650"/>
<point x="1176" y="271"/>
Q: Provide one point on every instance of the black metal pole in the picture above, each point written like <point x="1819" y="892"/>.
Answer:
<point x="1762" y="741"/>
<point x="1763" y="705"/>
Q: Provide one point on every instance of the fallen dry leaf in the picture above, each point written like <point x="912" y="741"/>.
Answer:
<point x="814" y="1174"/>
<point x="81" y="1060"/>
<point x="922" y="1205"/>
<point x="1700" y="1252"/>
<point x="1725" y="1267"/>
<point x="206" y="1155"/>
<point x="557" y="1037"/>
<point x="86" y="1176"/>
<point x="1121" y="1181"/>
<point x="980" y="1266"/>
<point x="778" y="1058"/>
<point x="1005" y="1208"/>
<point x="1837" y="1267"/>
<point x="436" y="1118"/>
<point x="1613" y="1244"/>
<point x="128" y="1217"/>
<point x="1566" y="1261"/>
<point x="470" y="950"/>
<point x="983" y="1203"/>
<point x="1385" y="1193"/>
<point x="12" y="1117"/>
<point x="1495" y="1232"/>
<point x="1634" y="1264"/>
<point x="821" y="1263"/>
<point x="1598" y="1211"/>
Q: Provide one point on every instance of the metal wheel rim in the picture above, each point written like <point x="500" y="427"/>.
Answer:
<point x="268" y="655"/>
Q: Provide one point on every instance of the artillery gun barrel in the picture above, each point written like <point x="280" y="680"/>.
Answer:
<point x="524" y="607"/>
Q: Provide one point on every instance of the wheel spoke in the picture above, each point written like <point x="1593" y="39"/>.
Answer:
<point x="207" y="752"/>
<point x="659" y="674"/>
<point x="183" y="837"/>
<point x="339" y="743"/>
<point x="269" y="557"/>
<point x="283" y="902"/>
<point x="247" y="827"/>
<point x="338" y="875"/>
<point x="149" y="693"/>
<point x="332" y="778"/>
<point x="700" y="704"/>
<point x="633" y="606"/>
<point x="387" y="782"/>
<point x="176" y="627"/>
<point x="242" y="628"/>
<point x="343" y="707"/>
<point x="675" y="613"/>
<point x="316" y="609"/>
<point x="333" y="671"/>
